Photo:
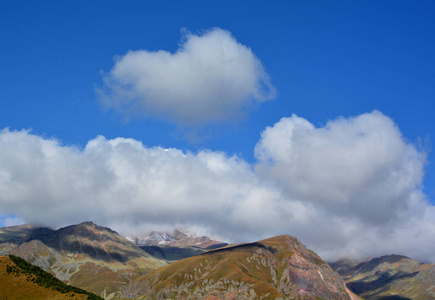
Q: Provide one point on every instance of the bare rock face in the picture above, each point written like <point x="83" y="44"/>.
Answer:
<point x="389" y="277"/>
<point x="275" y="268"/>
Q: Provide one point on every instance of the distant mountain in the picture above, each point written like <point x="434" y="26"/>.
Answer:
<point x="392" y="277"/>
<point x="91" y="257"/>
<point x="151" y="239"/>
<point x="180" y="237"/>
<point x="275" y="268"/>
<point x="22" y="280"/>
<point x="180" y="244"/>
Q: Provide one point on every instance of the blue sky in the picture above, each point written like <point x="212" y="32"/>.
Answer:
<point x="326" y="59"/>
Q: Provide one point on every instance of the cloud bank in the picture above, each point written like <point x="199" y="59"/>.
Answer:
<point x="210" y="78"/>
<point x="350" y="188"/>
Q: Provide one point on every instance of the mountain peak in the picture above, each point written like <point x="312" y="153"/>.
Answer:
<point x="181" y="232"/>
<point x="91" y="225"/>
<point x="87" y="223"/>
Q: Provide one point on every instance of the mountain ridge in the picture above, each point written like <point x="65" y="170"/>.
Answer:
<point x="279" y="267"/>
<point x="248" y="270"/>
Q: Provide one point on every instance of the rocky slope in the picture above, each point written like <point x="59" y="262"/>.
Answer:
<point x="91" y="257"/>
<point x="391" y="277"/>
<point x="275" y="268"/>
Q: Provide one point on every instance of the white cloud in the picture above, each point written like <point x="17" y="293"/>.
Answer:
<point x="120" y="179"/>
<point x="210" y="78"/>
<point x="352" y="187"/>
<point x="362" y="177"/>
<point x="359" y="166"/>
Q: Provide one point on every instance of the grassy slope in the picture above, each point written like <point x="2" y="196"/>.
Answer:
<point x="16" y="283"/>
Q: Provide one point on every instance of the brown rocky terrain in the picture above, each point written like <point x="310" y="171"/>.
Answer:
<point x="275" y="268"/>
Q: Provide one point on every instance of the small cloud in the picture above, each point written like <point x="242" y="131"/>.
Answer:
<point x="210" y="78"/>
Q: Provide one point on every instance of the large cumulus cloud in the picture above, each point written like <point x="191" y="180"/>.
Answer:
<point x="362" y="177"/>
<point x="352" y="187"/>
<point x="122" y="181"/>
<point x="359" y="167"/>
<point x="210" y="78"/>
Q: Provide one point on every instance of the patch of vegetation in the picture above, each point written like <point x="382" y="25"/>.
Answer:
<point x="43" y="278"/>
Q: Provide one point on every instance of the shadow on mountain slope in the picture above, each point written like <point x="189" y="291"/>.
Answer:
<point x="394" y="298"/>
<point x="361" y="286"/>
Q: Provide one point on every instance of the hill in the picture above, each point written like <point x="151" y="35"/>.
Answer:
<point x="279" y="267"/>
<point x="86" y="255"/>
<point x="22" y="280"/>
<point x="392" y="277"/>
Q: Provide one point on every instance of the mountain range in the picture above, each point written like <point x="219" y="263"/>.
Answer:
<point x="182" y="265"/>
